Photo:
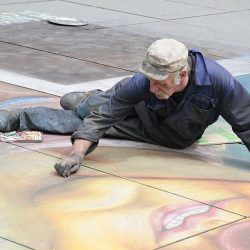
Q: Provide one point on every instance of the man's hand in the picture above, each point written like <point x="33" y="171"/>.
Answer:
<point x="69" y="165"/>
<point x="72" y="162"/>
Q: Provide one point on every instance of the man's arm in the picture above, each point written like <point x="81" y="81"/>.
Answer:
<point x="72" y="162"/>
<point x="236" y="111"/>
<point x="94" y="126"/>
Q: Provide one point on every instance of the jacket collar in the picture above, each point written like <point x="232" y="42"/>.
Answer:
<point x="201" y="75"/>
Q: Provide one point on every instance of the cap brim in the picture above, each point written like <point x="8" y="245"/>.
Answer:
<point x="152" y="72"/>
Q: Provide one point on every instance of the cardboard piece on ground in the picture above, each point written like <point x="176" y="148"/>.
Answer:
<point x="23" y="136"/>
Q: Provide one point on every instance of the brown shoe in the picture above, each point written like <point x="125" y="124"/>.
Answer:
<point x="71" y="100"/>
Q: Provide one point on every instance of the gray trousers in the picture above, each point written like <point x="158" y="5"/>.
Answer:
<point x="59" y="121"/>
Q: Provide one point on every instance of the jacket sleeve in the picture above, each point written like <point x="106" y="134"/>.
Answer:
<point x="114" y="110"/>
<point x="235" y="109"/>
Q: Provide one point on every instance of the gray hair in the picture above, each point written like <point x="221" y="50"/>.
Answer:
<point x="177" y="73"/>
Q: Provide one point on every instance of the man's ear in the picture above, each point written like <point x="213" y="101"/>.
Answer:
<point x="183" y="73"/>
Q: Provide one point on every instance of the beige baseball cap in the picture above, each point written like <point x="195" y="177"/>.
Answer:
<point x="163" y="57"/>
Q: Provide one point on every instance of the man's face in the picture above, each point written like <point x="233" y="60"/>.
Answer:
<point x="166" y="88"/>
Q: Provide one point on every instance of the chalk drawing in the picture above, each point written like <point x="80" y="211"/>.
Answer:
<point x="22" y="100"/>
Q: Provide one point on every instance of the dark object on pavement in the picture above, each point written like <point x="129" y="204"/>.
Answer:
<point x="9" y="120"/>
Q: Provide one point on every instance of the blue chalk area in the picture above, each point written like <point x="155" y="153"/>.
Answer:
<point x="22" y="100"/>
<point x="237" y="155"/>
<point x="244" y="80"/>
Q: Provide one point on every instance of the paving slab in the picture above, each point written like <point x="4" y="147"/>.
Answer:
<point x="56" y="68"/>
<point x="43" y="10"/>
<point x="45" y="211"/>
<point x="100" y="46"/>
<point x="234" y="33"/>
<point x="230" y="5"/>
<point x="159" y="9"/>
<point x="204" y="33"/>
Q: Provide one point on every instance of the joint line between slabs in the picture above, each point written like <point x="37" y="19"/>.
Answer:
<point x="128" y="179"/>
<point x="172" y="193"/>
<point x="156" y="18"/>
<point x="226" y="11"/>
<point x="20" y="244"/>
<point x="206" y="231"/>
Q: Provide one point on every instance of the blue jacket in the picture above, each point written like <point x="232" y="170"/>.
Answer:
<point x="180" y="120"/>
